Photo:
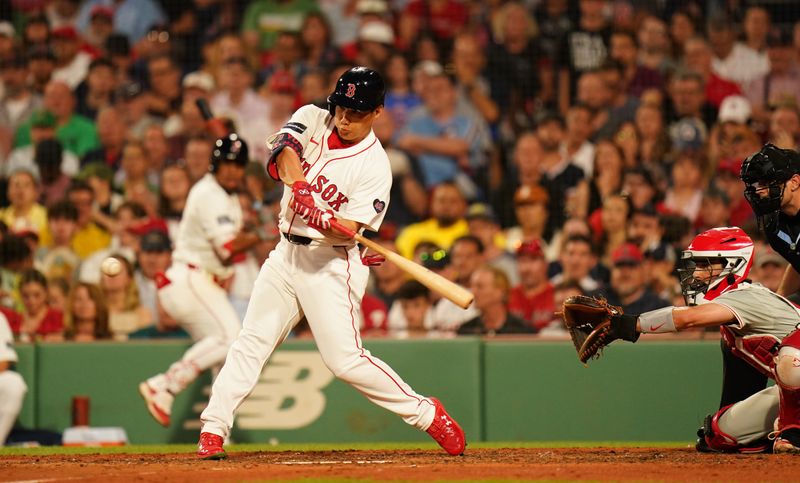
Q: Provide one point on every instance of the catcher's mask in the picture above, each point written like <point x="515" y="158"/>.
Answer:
<point x="716" y="261"/>
<point x="765" y="174"/>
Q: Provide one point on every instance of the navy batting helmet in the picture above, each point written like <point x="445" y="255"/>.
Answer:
<point x="360" y="89"/>
<point x="229" y="149"/>
<point x="765" y="174"/>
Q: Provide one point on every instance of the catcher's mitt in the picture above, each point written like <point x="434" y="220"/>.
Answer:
<point x="588" y="320"/>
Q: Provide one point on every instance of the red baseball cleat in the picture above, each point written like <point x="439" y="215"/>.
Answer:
<point x="210" y="447"/>
<point x="446" y="431"/>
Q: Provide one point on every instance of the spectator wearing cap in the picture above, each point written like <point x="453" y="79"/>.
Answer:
<point x="72" y="64"/>
<point x="17" y="102"/>
<point x="41" y="64"/>
<point x="101" y="26"/>
<point x="660" y="270"/>
<point x="100" y="178"/>
<point x="97" y="90"/>
<point x="90" y="237"/>
<point x="784" y="126"/>
<point x="629" y="282"/>
<point x="491" y="289"/>
<point x="264" y="19"/>
<point x="781" y="84"/>
<point x="237" y="100"/>
<point x="43" y="128"/>
<point x="530" y="208"/>
<point x="517" y="72"/>
<point x="60" y="260"/>
<point x="154" y="256"/>
<point x="54" y="182"/>
<point x="532" y="299"/>
<point x="483" y="225"/>
<point x="374" y="45"/>
<point x="112" y="132"/>
<point x="76" y="133"/>
<point x="134" y="18"/>
<point x="24" y="212"/>
<point x="769" y="267"/>
<point x="733" y="60"/>
<point x="129" y="98"/>
<point x="446" y="222"/>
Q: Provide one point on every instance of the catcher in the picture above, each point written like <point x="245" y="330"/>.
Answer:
<point x="757" y="324"/>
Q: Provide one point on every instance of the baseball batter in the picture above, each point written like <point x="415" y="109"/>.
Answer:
<point x="210" y="239"/>
<point x="757" y="324"/>
<point x="333" y="167"/>
<point x="12" y="386"/>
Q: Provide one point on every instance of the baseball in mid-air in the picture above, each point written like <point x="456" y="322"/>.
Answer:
<point x="111" y="267"/>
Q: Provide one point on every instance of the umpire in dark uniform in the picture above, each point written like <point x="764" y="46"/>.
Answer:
<point x="772" y="187"/>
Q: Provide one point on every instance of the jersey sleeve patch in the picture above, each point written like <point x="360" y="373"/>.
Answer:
<point x="378" y="205"/>
<point x="297" y="127"/>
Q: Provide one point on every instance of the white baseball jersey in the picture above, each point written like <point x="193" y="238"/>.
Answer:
<point x="759" y="311"/>
<point x="211" y="218"/>
<point x="7" y="352"/>
<point x="353" y="182"/>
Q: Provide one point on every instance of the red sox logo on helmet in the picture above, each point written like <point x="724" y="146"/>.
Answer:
<point x="351" y="90"/>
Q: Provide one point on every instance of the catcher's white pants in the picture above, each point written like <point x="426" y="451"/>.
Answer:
<point x="12" y="392"/>
<point x="326" y="284"/>
<point x="753" y="418"/>
<point x="203" y="310"/>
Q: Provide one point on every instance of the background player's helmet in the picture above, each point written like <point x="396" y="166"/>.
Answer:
<point x="229" y="149"/>
<point x="729" y="246"/>
<point x="360" y="88"/>
<point x="765" y="174"/>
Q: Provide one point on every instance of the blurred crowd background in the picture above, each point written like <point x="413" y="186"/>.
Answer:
<point x="539" y="149"/>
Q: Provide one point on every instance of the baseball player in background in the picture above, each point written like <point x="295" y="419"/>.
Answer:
<point x="333" y="167"/>
<point x="12" y="386"/>
<point x="757" y="324"/>
<point x="210" y="239"/>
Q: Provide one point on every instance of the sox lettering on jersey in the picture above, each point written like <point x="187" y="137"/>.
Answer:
<point x="329" y="191"/>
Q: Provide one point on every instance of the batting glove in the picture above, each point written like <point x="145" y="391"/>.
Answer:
<point x="319" y="219"/>
<point x="372" y="260"/>
<point x="302" y="201"/>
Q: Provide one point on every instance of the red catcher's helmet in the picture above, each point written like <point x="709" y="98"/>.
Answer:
<point x="729" y="247"/>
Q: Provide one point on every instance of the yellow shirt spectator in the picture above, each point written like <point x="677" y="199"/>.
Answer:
<point x="446" y="223"/>
<point x="89" y="239"/>
<point x="24" y="213"/>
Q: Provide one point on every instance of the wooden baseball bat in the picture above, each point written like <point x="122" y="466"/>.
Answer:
<point x="214" y="125"/>
<point x="451" y="291"/>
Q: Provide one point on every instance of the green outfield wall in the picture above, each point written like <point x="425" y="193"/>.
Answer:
<point x="499" y="390"/>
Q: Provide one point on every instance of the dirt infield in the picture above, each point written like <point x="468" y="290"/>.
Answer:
<point x="562" y="464"/>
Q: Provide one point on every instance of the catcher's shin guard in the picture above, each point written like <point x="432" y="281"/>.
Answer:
<point x="711" y="439"/>
<point x="787" y="376"/>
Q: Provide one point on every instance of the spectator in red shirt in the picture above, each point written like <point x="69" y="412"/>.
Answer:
<point x="698" y="56"/>
<point x="39" y="321"/>
<point x="532" y="299"/>
<point x="443" y="18"/>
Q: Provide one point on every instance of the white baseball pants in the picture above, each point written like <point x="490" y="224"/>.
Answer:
<point x="326" y="284"/>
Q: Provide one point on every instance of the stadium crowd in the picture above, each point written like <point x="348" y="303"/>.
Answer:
<point x="539" y="149"/>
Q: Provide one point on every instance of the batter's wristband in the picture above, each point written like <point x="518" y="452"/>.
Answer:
<point x="284" y="140"/>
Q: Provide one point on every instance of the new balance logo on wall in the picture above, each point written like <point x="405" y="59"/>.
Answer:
<point x="288" y="395"/>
